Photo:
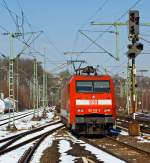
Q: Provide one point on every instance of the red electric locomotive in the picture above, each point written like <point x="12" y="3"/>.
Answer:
<point x="88" y="103"/>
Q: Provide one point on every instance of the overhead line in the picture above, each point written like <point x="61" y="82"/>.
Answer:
<point x="147" y="41"/>
<point x="111" y="26"/>
<point x="10" y="13"/>
<point x="96" y="12"/>
<point x="52" y="44"/>
<point x="59" y="67"/>
<point x="27" y="21"/>
<point x="110" y="54"/>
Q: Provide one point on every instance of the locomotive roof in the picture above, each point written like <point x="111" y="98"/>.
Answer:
<point x="91" y="76"/>
<point x="67" y="80"/>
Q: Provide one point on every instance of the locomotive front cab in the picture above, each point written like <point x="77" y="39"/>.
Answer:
<point x="94" y="105"/>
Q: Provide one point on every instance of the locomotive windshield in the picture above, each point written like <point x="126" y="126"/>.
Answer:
<point x="102" y="86"/>
<point x="84" y="86"/>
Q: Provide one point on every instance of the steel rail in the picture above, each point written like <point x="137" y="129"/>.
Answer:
<point x="101" y="148"/>
<point x="20" y="117"/>
<point x="19" y="136"/>
<point x="128" y="146"/>
<point x="26" y="158"/>
<point x="16" y="116"/>
<point x="2" y="152"/>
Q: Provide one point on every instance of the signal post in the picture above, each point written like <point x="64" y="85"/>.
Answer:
<point x="134" y="49"/>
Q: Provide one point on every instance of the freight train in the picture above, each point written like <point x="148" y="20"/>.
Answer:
<point x="88" y="103"/>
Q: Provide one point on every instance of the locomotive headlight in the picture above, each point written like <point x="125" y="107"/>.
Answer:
<point x="80" y="110"/>
<point x="107" y="110"/>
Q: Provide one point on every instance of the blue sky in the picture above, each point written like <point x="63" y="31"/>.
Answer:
<point x="61" y="19"/>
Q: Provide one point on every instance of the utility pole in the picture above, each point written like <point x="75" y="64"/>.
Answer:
<point x="141" y="86"/>
<point x="39" y="94"/>
<point x="34" y="86"/>
<point x="11" y="76"/>
<point x="31" y="93"/>
<point x="17" y="83"/>
<point x="46" y="90"/>
<point x="11" y="82"/>
<point x="44" y="84"/>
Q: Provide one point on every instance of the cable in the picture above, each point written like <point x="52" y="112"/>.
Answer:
<point x="52" y="44"/>
<point x="10" y="13"/>
<point x="135" y="4"/>
<point x="49" y="41"/>
<point x="59" y="67"/>
<point x="96" y="12"/>
<point x="99" y="31"/>
<point x="3" y="28"/>
<point x="144" y="40"/>
<point x="110" y="54"/>
<point x="19" y="5"/>
<point x="27" y="44"/>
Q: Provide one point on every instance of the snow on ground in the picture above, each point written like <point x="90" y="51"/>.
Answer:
<point x="64" y="146"/>
<point x="3" y="116"/>
<point x="11" y="118"/>
<point x="141" y="139"/>
<point x="16" y="118"/>
<point x="124" y="133"/>
<point x="14" y="156"/>
<point x="36" y="134"/>
<point x="24" y="124"/>
<point x="101" y="155"/>
<point x="45" y="144"/>
<point x="39" y="152"/>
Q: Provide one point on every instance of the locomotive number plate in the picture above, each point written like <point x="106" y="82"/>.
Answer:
<point x="94" y="110"/>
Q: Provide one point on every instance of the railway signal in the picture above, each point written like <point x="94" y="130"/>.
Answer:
<point x="134" y="50"/>
<point x="133" y="25"/>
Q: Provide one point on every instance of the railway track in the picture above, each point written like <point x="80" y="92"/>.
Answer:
<point x="19" y="117"/>
<point x="16" y="116"/>
<point x="144" y="128"/>
<point x="5" y="148"/>
<point x="143" y="121"/>
<point x="120" y="150"/>
<point x="109" y="145"/>
<point x="27" y="156"/>
<point x="76" y="147"/>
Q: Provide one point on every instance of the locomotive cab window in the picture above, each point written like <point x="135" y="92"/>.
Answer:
<point x="93" y="86"/>
<point x="101" y="86"/>
<point x="84" y="86"/>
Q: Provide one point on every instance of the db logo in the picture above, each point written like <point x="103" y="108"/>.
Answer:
<point x="93" y="96"/>
<point x="93" y="102"/>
